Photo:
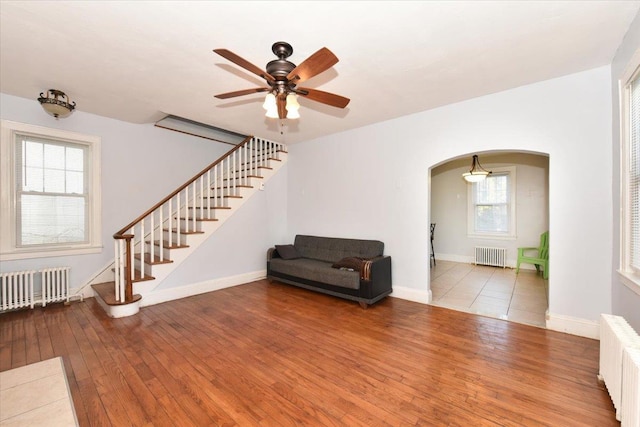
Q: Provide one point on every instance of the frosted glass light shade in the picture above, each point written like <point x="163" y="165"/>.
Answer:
<point x="292" y="107"/>
<point x="56" y="103"/>
<point x="269" y="101"/>
<point x="272" y="112"/>
<point x="474" y="177"/>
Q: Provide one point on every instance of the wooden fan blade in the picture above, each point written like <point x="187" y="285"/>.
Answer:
<point x="324" y="97"/>
<point x="282" y="105"/>
<point x="320" y="61"/>
<point x="241" y="92"/>
<point x="227" y="54"/>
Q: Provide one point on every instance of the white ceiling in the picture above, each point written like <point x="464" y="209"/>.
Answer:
<point x="138" y="61"/>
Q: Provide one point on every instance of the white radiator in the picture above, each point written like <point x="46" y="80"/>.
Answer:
<point x="496" y="257"/>
<point x="630" y="413"/>
<point x="55" y="285"/>
<point x="16" y="290"/>
<point x="615" y="335"/>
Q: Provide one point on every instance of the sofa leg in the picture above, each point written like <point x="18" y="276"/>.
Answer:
<point x="363" y="304"/>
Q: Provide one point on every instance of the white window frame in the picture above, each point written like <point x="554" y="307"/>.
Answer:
<point x="629" y="276"/>
<point x="471" y="211"/>
<point x="9" y="249"/>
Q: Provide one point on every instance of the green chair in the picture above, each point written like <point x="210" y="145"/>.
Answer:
<point x="541" y="257"/>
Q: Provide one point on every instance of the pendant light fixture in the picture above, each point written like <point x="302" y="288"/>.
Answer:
<point x="56" y="103"/>
<point x="477" y="173"/>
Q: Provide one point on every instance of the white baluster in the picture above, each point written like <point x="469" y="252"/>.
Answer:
<point x="170" y="221"/>
<point x="160" y="223"/>
<point x="179" y="215"/>
<point x="142" y="246"/>
<point x="215" y="185"/>
<point x="235" y="173"/>
<point x="209" y="194"/>
<point x="132" y="253"/>
<point x="201" y="179"/>
<point x="152" y="248"/>
<point x="195" y="210"/>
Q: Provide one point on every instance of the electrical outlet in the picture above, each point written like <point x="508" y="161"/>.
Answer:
<point x="262" y="186"/>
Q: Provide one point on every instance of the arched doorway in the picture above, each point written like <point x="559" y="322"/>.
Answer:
<point x="458" y="283"/>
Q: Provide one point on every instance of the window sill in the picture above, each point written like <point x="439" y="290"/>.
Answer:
<point x="49" y="253"/>
<point x="491" y="236"/>
<point x="630" y="280"/>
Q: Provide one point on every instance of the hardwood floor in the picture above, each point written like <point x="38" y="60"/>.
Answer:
<point x="275" y="355"/>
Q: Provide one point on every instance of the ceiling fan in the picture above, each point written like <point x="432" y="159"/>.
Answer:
<point x="283" y="77"/>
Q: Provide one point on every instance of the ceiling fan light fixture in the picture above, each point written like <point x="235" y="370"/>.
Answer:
<point x="477" y="173"/>
<point x="292" y="106"/>
<point x="269" y="101"/>
<point x="56" y="103"/>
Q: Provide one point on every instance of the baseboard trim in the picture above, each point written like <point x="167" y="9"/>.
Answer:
<point x="170" y="294"/>
<point x="410" y="294"/>
<point x="509" y="263"/>
<point x="573" y="325"/>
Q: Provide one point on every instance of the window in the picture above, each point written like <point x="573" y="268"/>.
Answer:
<point x="50" y="192"/>
<point x="630" y="180"/>
<point x="492" y="205"/>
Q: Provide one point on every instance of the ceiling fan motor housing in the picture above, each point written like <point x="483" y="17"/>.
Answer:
<point x="280" y="68"/>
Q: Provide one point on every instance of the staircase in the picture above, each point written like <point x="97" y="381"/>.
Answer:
<point x="148" y="249"/>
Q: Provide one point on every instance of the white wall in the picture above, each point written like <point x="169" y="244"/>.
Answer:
<point x="141" y="164"/>
<point x="372" y="182"/>
<point x="240" y="245"/>
<point x="449" y="204"/>
<point x="625" y="301"/>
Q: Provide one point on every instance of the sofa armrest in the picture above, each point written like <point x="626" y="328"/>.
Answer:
<point x="378" y="269"/>
<point x="272" y="253"/>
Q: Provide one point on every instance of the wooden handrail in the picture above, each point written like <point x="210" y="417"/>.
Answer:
<point x="121" y="234"/>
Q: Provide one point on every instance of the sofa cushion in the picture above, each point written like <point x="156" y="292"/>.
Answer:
<point x="318" y="271"/>
<point x="288" y="252"/>
<point x="331" y="249"/>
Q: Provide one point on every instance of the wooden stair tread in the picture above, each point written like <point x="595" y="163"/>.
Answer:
<point x="156" y="259"/>
<point x="165" y="244"/>
<point x="107" y="291"/>
<point x="248" y="176"/>
<point x="184" y="231"/>
<point x="236" y="186"/>
<point x="257" y="167"/>
<point x="137" y="277"/>
<point x="197" y="219"/>
<point x="222" y="197"/>
<point x="212" y="207"/>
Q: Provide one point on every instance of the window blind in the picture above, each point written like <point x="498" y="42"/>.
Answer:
<point x="634" y="173"/>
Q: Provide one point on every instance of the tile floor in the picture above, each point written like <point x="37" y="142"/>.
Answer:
<point x="36" y="395"/>
<point x="490" y="291"/>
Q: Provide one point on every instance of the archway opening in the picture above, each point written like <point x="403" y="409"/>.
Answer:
<point x="479" y="229"/>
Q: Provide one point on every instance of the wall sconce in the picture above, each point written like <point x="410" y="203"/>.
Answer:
<point x="477" y="173"/>
<point x="56" y="103"/>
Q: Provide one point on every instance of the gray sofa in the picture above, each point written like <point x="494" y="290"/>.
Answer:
<point x="348" y="268"/>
